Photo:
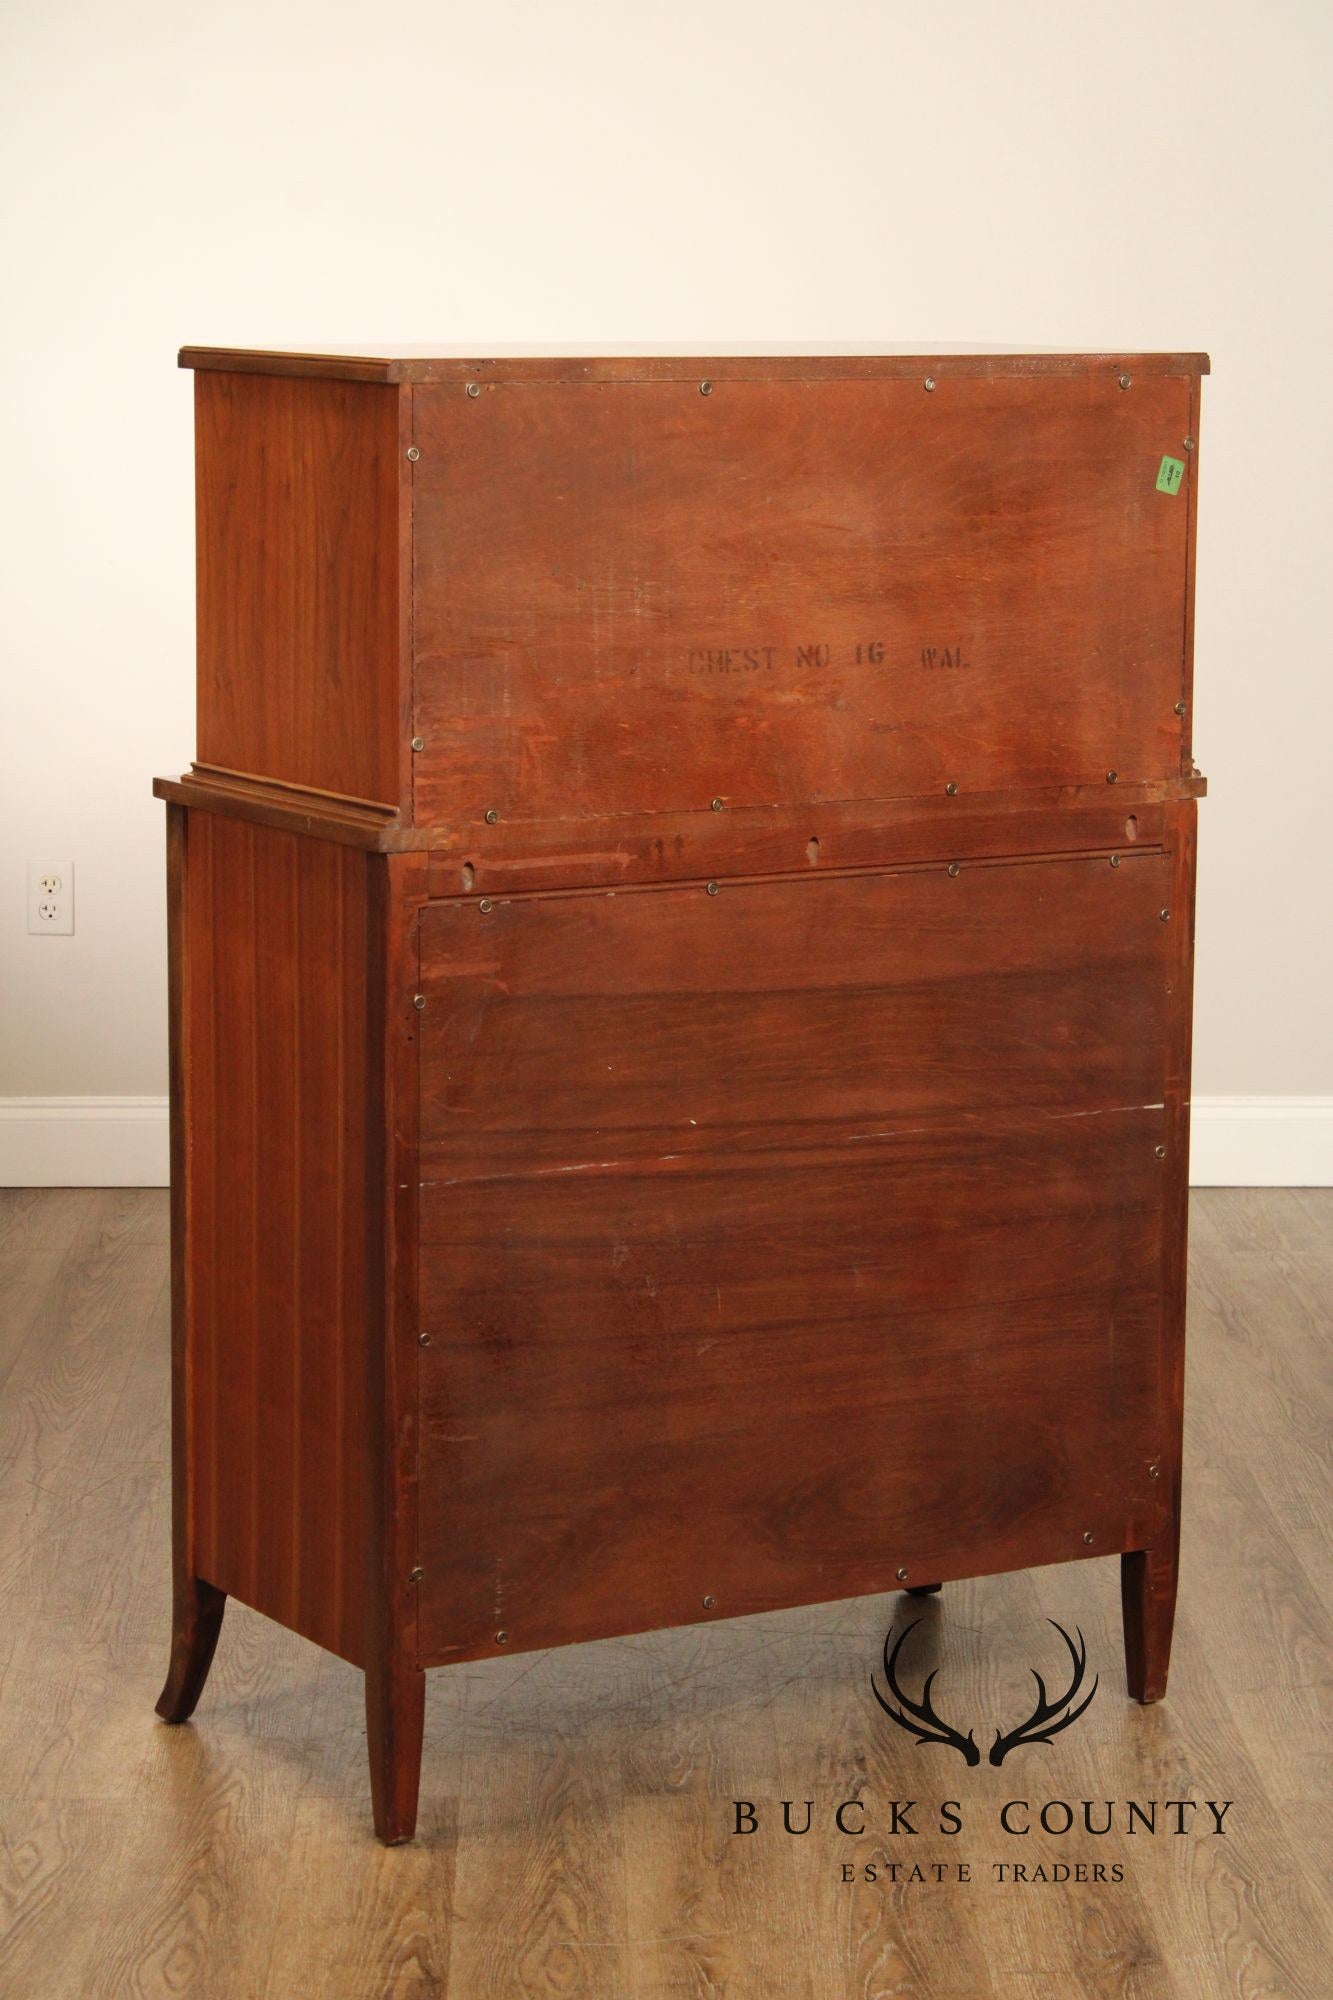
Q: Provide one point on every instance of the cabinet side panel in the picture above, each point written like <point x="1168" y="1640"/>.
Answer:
<point x="298" y="494"/>
<point x="275" y="1255"/>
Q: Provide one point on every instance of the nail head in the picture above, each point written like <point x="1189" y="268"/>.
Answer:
<point x="902" y="1576"/>
<point x="709" y="1602"/>
<point x="1125" y="381"/>
<point x="716" y="805"/>
<point x="712" y="888"/>
<point x="952" y="789"/>
<point x="1160" y="1151"/>
<point x="485" y="906"/>
<point x="418" y="742"/>
<point x="705" y="388"/>
<point x="413" y="453"/>
<point x="415" y="1576"/>
<point x="1111" y="777"/>
<point x="474" y="388"/>
<point x="953" y="867"/>
<point x="929" y="382"/>
<point x="418" y="1000"/>
<point x="1180" y="708"/>
<point x="1115" y="860"/>
<point x="502" y="1638"/>
<point x="1087" y="1534"/>
<point x="491" y="816"/>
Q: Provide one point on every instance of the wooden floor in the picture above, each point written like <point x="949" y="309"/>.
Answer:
<point x="576" y="1804"/>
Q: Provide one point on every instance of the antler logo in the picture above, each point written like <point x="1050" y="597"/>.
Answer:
<point x="920" y="1720"/>
<point x="1048" y="1718"/>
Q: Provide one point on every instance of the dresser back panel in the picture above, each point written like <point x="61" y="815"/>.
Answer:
<point x="764" y="1234"/>
<point x="631" y="597"/>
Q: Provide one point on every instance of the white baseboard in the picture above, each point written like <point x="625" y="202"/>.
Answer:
<point x="122" y="1142"/>
<point x="1261" y="1142"/>
<point x="83" y="1142"/>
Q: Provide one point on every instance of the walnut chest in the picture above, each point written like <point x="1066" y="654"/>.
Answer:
<point x="680" y="976"/>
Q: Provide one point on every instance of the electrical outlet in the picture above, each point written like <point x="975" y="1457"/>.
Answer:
<point x="50" y="898"/>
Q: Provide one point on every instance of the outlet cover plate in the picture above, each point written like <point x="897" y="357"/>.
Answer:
<point x="50" y="898"/>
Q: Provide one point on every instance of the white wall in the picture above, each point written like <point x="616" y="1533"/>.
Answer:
<point x="1064" y="174"/>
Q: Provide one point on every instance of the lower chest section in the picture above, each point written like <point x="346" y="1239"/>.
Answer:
<point x="779" y="1238"/>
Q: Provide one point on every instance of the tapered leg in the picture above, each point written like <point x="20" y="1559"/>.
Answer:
<point x="1148" y="1604"/>
<point x="395" y="1720"/>
<point x="196" y="1622"/>
<point x="923" y="1589"/>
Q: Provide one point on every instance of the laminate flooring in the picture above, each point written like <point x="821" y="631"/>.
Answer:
<point x="577" y="1806"/>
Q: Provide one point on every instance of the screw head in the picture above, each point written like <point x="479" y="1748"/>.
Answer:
<point x="1160" y="1152"/>
<point x="1087" y="1535"/>
<point x="474" y="389"/>
<point x="711" y="888"/>
<point x="705" y="388"/>
<point x="413" y="453"/>
<point x="953" y="868"/>
<point x="418" y="1000"/>
<point x="1124" y="380"/>
<point x="709" y="1602"/>
<point x="418" y="742"/>
<point x="1164" y="916"/>
<point x="1111" y="777"/>
<point x="902" y="1576"/>
<point x="951" y="789"/>
<point x="491" y="816"/>
<point x="502" y="1638"/>
<point x="929" y="382"/>
<point x="716" y="805"/>
<point x="1189" y="444"/>
<point x="415" y="1576"/>
<point x="1180" y="708"/>
<point x="485" y="906"/>
<point x="1115" y="860"/>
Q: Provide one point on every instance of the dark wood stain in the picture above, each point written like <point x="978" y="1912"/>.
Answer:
<point x="298" y="501"/>
<point x="787" y="592"/>
<point x="677" y="1026"/>
<point x="274" y="939"/>
<point x="785" y="1193"/>
<point x="412" y="365"/>
<point x="711" y="1122"/>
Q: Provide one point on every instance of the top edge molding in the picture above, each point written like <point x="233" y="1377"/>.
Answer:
<point x="390" y="367"/>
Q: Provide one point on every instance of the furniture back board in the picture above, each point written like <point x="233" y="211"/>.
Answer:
<point x="681" y="964"/>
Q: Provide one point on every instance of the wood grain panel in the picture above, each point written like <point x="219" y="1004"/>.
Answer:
<point x="782" y="840"/>
<point x="411" y="364"/>
<point x="633" y="597"/>
<point x="662" y="847"/>
<point x="300" y="638"/>
<point x="568" y="1033"/>
<point x="769" y="1238"/>
<point x="777" y="1385"/>
<point x="275" y="993"/>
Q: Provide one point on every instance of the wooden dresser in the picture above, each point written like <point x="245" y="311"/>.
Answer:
<point x="680" y="992"/>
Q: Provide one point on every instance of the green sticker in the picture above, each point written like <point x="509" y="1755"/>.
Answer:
<point x="1169" y="475"/>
